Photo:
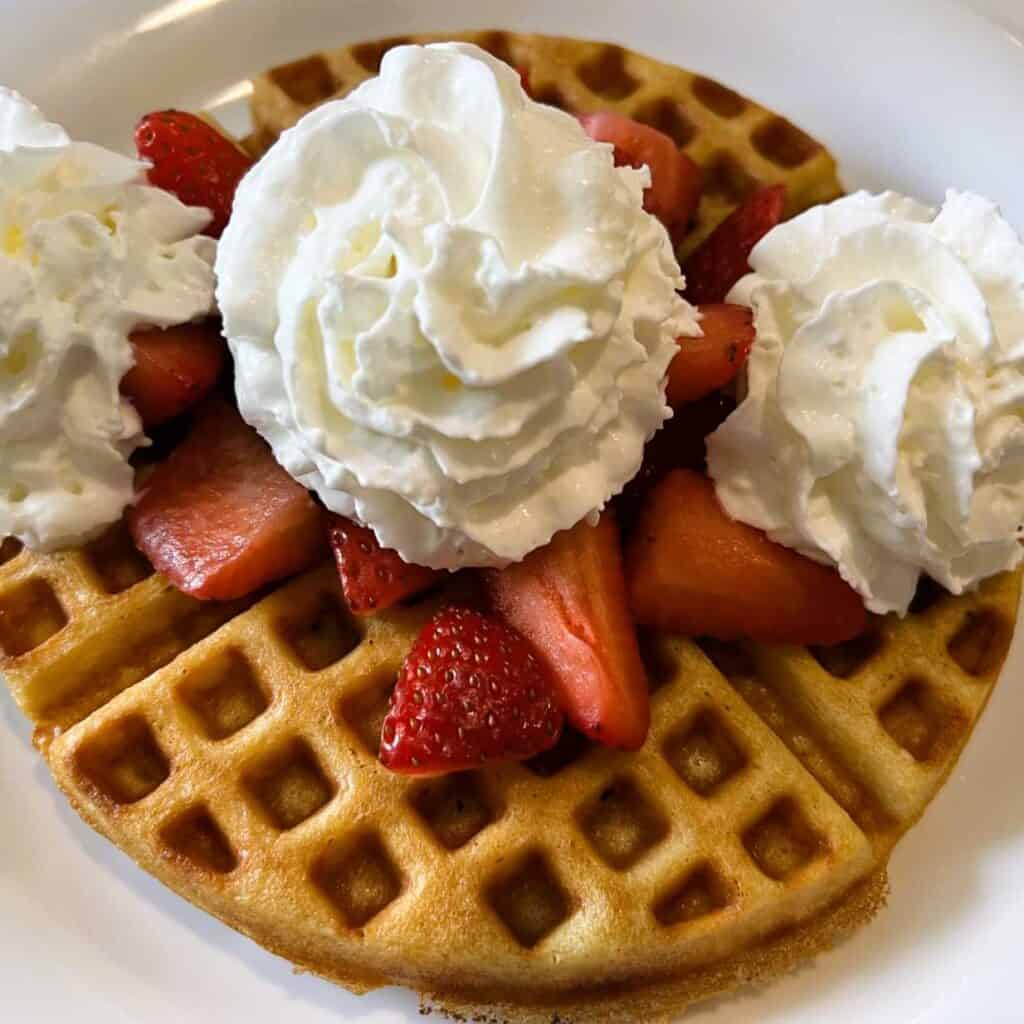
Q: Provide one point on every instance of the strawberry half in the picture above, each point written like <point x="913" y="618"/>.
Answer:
<point x="568" y="599"/>
<point x="723" y="257"/>
<point x="194" y="161"/>
<point x="220" y="518"/>
<point x="174" y="370"/>
<point x="711" y="361"/>
<point x="693" y="570"/>
<point x="676" y="181"/>
<point x="373" y="577"/>
<point x="470" y="691"/>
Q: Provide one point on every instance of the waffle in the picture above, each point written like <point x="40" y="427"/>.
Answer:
<point x="739" y="145"/>
<point x="230" y="749"/>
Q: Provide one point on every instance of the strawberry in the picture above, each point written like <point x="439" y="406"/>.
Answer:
<point x="524" y="80"/>
<point x="693" y="570"/>
<point x="174" y="369"/>
<point x="470" y="691"/>
<point x="373" y="577"/>
<point x="569" y="600"/>
<point x="220" y="518"/>
<point x="711" y="361"/>
<point x="722" y="258"/>
<point x="676" y="181"/>
<point x="194" y="161"/>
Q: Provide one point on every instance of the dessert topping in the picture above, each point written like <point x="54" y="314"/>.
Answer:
<point x="450" y="314"/>
<point x="88" y="253"/>
<point x="882" y="429"/>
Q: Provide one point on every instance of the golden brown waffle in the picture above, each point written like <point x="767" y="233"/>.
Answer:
<point x="604" y="885"/>
<point x="230" y="749"/>
<point x="739" y="145"/>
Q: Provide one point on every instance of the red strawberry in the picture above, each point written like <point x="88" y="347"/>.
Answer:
<point x="372" y="577"/>
<point x="693" y="570"/>
<point x="194" y="161"/>
<point x="676" y="181"/>
<point x="568" y="599"/>
<point x="220" y="518"/>
<point x="174" y="369"/>
<point x="711" y="361"/>
<point x="470" y="691"/>
<point x="524" y="79"/>
<point x="722" y="258"/>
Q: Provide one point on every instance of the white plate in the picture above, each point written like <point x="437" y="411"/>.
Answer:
<point x="916" y="98"/>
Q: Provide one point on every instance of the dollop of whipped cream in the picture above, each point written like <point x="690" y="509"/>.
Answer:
<point x="450" y="315"/>
<point x="882" y="429"/>
<point x="88" y="253"/>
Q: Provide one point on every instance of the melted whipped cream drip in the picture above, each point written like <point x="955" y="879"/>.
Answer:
<point x="882" y="429"/>
<point x="450" y="315"/>
<point x="87" y="254"/>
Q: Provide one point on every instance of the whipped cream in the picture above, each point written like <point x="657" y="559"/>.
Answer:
<point x="882" y="429"/>
<point x="87" y="254"/>
<point x="450" y="315"/>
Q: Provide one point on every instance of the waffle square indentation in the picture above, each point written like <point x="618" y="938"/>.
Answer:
<point x="9" y="550"/>
<point x="224" y="695"/>
<point x="530" y="900"/>
<point x="307" y="81"/>
<point x="607" y="74"/>
<point x="783" y="143"/>
<point x="783" y="842"/>
<point x="195" y="838"/>
<point x="116" y="561"/>
<point x="717" y="98"/>
<point x="29" y="615"/>
<point x="323" y="635"/>
<point x="621" y="824"/>
<point x="571" y="747"/>
<point x="701" y="892"/>
<point x="667" y="116"/>
<point x="454" y="807"/>
<point x="123" y="762"/>
<point x="847" y="659"/>
<point x="365" y="709"/>
<point x="920" y="721"/>
<point x="704" y="754"/>
<point x="289" y="785"/>
<point x="359" y="878"/>
<point x="980" y="644"/>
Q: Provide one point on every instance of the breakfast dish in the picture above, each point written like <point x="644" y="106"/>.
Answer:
<point x="224" y="729"/>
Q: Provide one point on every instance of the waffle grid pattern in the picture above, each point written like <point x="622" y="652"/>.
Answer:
<point x="231" y="749"/>
<point x="739" y="145"/>
<point x="243" y="773"/>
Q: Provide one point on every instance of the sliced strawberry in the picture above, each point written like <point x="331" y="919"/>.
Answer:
<point x="470" y="691"/>
<point x="194" y="161"/>
<point x="372" y="577"/>
<point x="524" y="80"/>
<point x="693" y="570"/>
<point x="569" y="600"/>
<point x="711" y="361"/>
<point x="676" y="181"/>
<point x="174" y="370"/>
<point x="680" y="444"/>
<point x="220" y="518"/>
<point x="723" y="257"/>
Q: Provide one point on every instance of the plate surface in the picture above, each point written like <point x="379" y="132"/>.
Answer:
<point x="914" y="99"/>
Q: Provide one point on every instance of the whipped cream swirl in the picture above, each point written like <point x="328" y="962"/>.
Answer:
<point x="450" y="315"/>
<point x="88" y="253"/>
<point x="883" y="426"/>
